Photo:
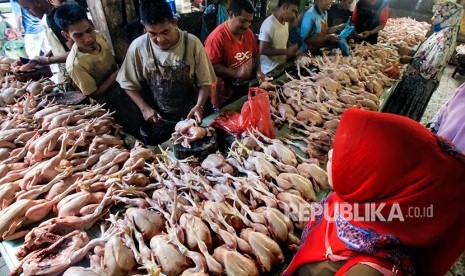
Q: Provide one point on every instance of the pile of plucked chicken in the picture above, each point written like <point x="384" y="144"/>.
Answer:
<point x="65" y="170"/>
<point x="403" y="31"/>
<point x="312" y="103"/>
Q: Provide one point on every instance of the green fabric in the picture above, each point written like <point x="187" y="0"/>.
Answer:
<point x="14" y="49"/>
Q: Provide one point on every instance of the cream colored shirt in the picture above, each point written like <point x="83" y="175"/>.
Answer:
<point x="89" y="70"/>
<point x="138" y="63"/>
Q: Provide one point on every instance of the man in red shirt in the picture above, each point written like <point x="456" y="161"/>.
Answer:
<point x="370" y="17"/>
<point x="233" y="52"/>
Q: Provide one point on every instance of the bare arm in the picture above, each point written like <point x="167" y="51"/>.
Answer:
<point x="197" y="110"/>
<point x="268" y="50"/>
<point x="335" y="29"/>
<point x="224" y="72"/>
<point x="377" y="29"/>
<point x="47" y="60"/>
<point x="368" y="33"/>
<point x="102" y="88"/>
<point x="19" y="23"/>
<point x="147" y="111"/>
<point x="260" y="76"/>
<point x="317" y="42"/>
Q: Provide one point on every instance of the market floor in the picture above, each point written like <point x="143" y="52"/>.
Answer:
<point x="445" y="91"/>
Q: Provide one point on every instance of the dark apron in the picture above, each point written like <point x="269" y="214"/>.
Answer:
<point x="127" y="114"/>
<point x="173" y="95"/>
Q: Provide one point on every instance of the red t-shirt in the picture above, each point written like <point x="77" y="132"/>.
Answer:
<point x="225" y="49"/>
<point x="383" y="16"/>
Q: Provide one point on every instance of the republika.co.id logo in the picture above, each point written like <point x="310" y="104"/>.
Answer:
<point x="374" y="212"/>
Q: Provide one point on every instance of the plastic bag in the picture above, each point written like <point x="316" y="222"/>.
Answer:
<point x="229" y="122"/>
<point x="345" y="33"/>
<point x="348" y="29"/>
<point x="344" y="47"/>
<point x="255" y="113"/>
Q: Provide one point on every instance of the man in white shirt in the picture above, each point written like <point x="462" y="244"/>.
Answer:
<point x="274" y="34"/>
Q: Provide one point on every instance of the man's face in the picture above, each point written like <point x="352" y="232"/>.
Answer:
<point x="56" y="3"/>
<point x="164" y="34"/>
<point x="346" y="4"/>
<point x="290" y="12"/>
<point x="35" y="7"/>
<point x="240" y="23"/>
<point x="83" y="34"/>
<point x="324" y="5"/>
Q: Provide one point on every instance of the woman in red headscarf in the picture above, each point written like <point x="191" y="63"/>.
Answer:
<point x="398" y="206"/>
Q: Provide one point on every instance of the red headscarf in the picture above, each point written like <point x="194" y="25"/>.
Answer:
<point x="391" y="160"/>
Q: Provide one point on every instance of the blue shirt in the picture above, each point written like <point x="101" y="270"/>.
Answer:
<point x="31" y="24"/>
<point x="312" y="25"/>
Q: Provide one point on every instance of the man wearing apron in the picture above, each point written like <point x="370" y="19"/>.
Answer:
<point x="92" y="67"/>
<point x="314" y="29"/>
<point x="166" y="73"/>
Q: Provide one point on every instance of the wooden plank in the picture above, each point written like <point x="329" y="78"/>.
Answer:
<point x="109" y="17"/>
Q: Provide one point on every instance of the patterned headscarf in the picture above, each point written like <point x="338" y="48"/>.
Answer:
<point x="433" y="55"/>
<point x="446" y="14"/>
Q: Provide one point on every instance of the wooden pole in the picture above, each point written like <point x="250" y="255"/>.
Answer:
<point x="109" y="16"/>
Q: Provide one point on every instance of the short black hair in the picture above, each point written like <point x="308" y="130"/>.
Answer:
<point x="154" y="12"/>
<point x="69" y="14"/>
<point x="289" y="2"/>
<point x="237" y="6"/>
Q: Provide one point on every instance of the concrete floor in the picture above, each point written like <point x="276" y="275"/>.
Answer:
<point x="445" y="91"/>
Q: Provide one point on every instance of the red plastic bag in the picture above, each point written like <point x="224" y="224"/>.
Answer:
<point x="229" y="122"/>
<point x="255" y="113"/>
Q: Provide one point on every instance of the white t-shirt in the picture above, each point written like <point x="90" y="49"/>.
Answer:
<point x="277" y="34"/>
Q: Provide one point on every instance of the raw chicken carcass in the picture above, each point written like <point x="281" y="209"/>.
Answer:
<point x="149" y="223"/>
<point x="217" y="164"/>
<point x="168" y="256"/>
<point x="59" y="256"/>
<point x="297" y="182"/>
<point x="234" y="263"/>
<point x="118" y="260"/>
<point x="188" y="131"/>
<point x="266" y="250"/>
<point x="195" y="228"/>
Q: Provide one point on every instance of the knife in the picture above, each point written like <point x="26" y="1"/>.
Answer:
<point x="24" y="60"/>
<point x="27" y="60"/>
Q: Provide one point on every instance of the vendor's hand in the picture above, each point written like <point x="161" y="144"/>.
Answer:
<point x="365" y="34"/>
<point x="244" y="72"/>
<point x="41" y="60"/>
<point x="404" y="51"/>
<point x="261" y="77"/>
<point x="340" y="27"/>
<point x="196" y="113"/>
<point x="150" y="115"/>
<point x="292" y="51"/>
<point x="333" y="39"/>
<point x="405" y="59"/>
